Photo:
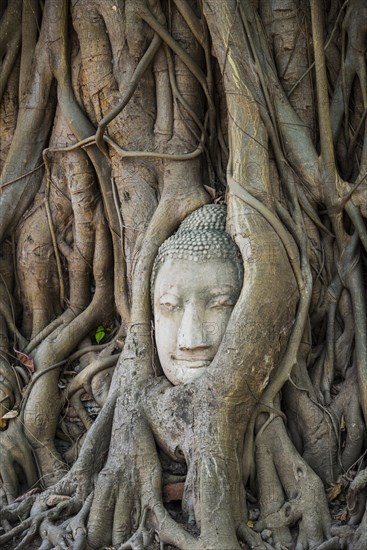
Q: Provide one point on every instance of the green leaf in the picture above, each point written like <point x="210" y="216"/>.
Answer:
<point x="100" y="334"/>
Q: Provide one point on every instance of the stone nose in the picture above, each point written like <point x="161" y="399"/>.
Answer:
<point x="191" y="331"/>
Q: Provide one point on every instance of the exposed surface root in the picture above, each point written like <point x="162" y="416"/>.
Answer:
<point x="197" y="95"/>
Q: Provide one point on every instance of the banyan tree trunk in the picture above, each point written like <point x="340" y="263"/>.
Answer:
<point x="120" y="118"/>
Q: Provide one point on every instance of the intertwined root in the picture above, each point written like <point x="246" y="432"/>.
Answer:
<point x="290" y="492"/>
<point x="126" y="509"/>
<point x="352" y="537"/>
<point x="62" y="247"/>
<point x="36" y="519"/>
<point x="128" y="490"/>
<point x="357" y="497"/>
<point x="18" y="467"/>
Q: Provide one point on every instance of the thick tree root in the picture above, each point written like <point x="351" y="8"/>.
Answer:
<point x="306" y="501"/>
<point x="357" y="497"/>
<point x="16" y="455"/>
<point x="251" y="538"/>
<point x="119" y="503"/>
<point x="32" y="524"/>
<point x="360" y="536"/>
<point x="145" y="195"/>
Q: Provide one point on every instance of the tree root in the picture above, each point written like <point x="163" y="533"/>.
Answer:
<point x="55" y="325"/>
<point x="360" y="536"/>
<point x="144" y="63"/>
<point x="251" y="538"/>
<point x="350" y="537"/>
<point x="19" y="509"/>
<point x="32" y="523"/>
<point x="9" y="388"/>
<point x="129" y="487"/>
<point x="32" y="509"/>
<point x="84" y="378"/>
<point x="191" y="64"/>
<point x="76" y="527"/>
<point x="16" y="454"/>
<point x="306" y="502"/>
<point x="71" y="533"/>
<point x="140" y="538"/>
<point x="356" y="499"/>
<point x="331" y="544"/>
<point x="316" y="427"/>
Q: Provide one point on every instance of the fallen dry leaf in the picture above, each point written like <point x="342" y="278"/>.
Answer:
<point x="250" y="524"/>
<point x="25" y="359"/>
<point x="56" y="499"/>
<point x="342" y="516"/>
<point x="210" y="191"/>
<point x="334" y="491"/>
<point x="10" y="414"/>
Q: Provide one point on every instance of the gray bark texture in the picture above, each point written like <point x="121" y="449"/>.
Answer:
<point x="119" y="118"/>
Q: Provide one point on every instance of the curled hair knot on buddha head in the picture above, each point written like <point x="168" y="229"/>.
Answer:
<point x="201" y="237"/>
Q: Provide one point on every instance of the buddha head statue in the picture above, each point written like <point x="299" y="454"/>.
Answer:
<point x="196" y="281"/>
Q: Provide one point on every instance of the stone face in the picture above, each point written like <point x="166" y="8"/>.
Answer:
<point x="194" y="293"/>
<point x="192" y="306"/>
